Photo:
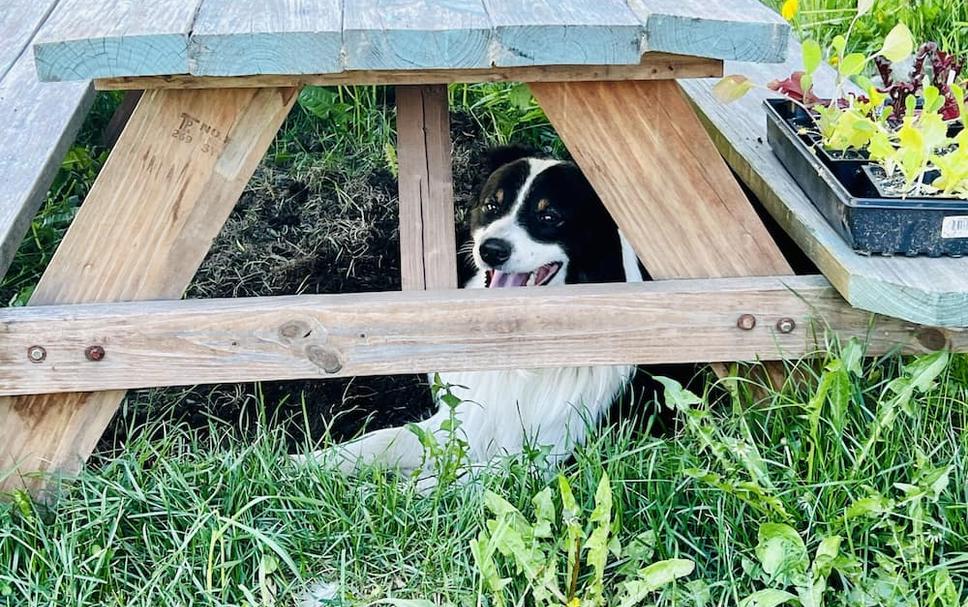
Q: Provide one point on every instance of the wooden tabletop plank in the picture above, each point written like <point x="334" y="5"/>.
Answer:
<point x="931" y="291"/>
<point x="19" y="22"/>
<point x="577" y="32"/>
<point x="743" y="30"/>
<point x="242" y="37"/>
<point x="416" y="34"/>
<point x="85" y="39"/>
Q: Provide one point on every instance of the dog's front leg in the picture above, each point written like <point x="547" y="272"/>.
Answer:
<point x="397" y="448"/>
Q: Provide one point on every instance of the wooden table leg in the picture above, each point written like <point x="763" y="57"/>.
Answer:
<point x="428" y="241"/>
<point x="646" y="153"/>
<point x="171" y="181"/>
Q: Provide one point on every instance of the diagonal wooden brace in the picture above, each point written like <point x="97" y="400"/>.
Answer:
<point x="646" y="153"/>
<point x="170" y="183"/>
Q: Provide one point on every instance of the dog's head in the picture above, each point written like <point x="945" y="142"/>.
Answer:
<point x="539" y="222"/>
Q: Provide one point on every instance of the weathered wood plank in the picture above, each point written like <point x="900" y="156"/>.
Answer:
<point x="172" y="179"/>
<point x="428" y="242"/>
<point x="19" y="22"/>
<point x="233" y="37"/>
<point x="40" y="122"/>
<point x="653" y="66"/>
<point x="744" y="30"/>
<point x="644" y="151"/>
<point x="416" y="34"/>
<point x="542" y="32"/>
<point x="921" y="290"/>
<point x="234" y="340"/>
<point x="84" y="39"/>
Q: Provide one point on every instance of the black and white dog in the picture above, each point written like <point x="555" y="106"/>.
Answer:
<point x="537" y="222"/>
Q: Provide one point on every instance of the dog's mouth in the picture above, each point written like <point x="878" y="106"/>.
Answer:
<point x="495" y="279"/>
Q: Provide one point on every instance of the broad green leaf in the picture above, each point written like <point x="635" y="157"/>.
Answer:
<point x="662" y="573"/>
<point x="812" y="56"/>
<point x="925" y="369"/>
<point x="767" y="598"/>
<point x="827" y="551"/>
<point x="852" y="65"/>
<point x="853" y="356"/>
<point x="899" y="43"/>
<point x="544" y="510"/>
<point x="654" y="577"/>
<point x="781" y="552"/>
<point x="520" y="96"/>
<point x="732" y="88"/>
<point x="677" y="397"/>
<point x="839" y="44"/>
<point x="806" y="82"/>
<point x="864" y="7"/>
<point x="597" y="544"/>
<point x="871" y="506"/>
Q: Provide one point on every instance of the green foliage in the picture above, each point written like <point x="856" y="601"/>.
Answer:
<point x="533" y="553"/>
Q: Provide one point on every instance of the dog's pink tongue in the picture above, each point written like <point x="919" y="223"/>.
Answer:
<point x="508" y="279"/>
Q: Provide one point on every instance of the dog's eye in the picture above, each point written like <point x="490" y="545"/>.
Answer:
<point x="491" y="208"/>
<point x="550" y="217"/>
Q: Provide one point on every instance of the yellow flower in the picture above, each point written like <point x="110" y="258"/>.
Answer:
<point x="574" y="602"/>
<point x="790" y="9"/>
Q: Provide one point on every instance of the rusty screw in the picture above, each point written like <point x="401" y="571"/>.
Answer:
<point x="94" y="353"/>
<point x="786" y="325"/>
<point x="36" y="354"/>
<point x="746" y="322"/>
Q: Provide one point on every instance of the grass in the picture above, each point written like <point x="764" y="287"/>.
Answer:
<point x="187" y="515"/>
<point x="179" y="518"/>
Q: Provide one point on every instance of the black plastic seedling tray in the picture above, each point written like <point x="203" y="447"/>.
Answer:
<point x="847" y="198"/>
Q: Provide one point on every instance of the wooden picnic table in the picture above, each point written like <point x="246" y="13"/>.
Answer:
<point x="219" y="78"/>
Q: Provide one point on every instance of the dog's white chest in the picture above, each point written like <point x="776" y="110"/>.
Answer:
<point x="505" y="410"/>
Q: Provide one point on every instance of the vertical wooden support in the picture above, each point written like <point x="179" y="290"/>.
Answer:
<point x="171" y="181"/>
<point x="428" y="242"/>
<point x="120" y="118"/>
<point x="646" y="153"/>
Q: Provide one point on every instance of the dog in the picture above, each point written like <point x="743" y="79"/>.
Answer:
<point x="537" y="222"/>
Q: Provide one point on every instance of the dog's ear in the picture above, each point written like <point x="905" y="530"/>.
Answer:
<point x="502" y="155"/>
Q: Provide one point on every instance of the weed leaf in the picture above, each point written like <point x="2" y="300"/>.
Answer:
<point x="767" y="598"/>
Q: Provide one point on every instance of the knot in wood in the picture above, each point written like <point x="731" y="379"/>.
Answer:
<point x="931" y="338"/>
<point x="326" y="359"/>
<point x="295" y="329"/>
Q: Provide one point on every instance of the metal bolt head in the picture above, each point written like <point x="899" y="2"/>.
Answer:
<point x="746" y="322"/>
<point x="94" y="353"/>
<point x="786" y="325"/>
<point x="36" y="354"/>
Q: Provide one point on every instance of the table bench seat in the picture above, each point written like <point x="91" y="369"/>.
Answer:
<point x="40" y="122"/>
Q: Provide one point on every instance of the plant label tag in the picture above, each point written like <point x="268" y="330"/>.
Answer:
<point x="955" y="227"/>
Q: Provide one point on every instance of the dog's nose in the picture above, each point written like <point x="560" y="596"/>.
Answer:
<point x="495" y="251"/>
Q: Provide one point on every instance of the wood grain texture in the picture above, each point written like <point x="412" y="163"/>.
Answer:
<point x="428" y="242"/>
<point x="414" y="34"/>
<point x="240" y="37"/>
<point x="652" y="66"/>
<point x="40" y="122"/>
<point x="19" y="22"/>
<point x="235" y="340"/>
<point x="84" y="39"/>
<point x="146" y="225"/>
<point x="920" y="290"/>
<point x="743" y="30"/>
<point x="543" y="32"/>
<point x="644" y="151"/>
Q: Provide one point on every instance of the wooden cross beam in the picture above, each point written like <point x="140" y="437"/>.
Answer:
<point x="142" y="344"/>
